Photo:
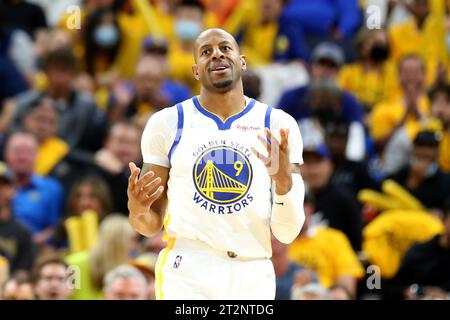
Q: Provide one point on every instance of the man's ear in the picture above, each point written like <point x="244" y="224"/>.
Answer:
<point x="243" y="62"/>
<point x="195" y="72"/>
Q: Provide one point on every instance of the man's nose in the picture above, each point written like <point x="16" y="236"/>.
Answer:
<point x="217" y="54"/>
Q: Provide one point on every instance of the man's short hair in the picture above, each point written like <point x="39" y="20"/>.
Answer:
<point x="310" y="288"/>
<point x="44" y="261"/>
<point x="122" y="122"/>
<point x="191" y="3"/>
<point x="63" y="57"/>
<point x="440" y="88"/>
<point x="124" y="271"/>
<point x="427" y="139"/>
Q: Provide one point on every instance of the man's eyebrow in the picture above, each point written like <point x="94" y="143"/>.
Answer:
<point x="226" y="42"/>
<point x="204" y="46"/>
<point x="220" y="43"/>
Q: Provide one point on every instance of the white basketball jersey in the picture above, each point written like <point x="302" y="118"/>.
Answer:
<point x="219" y="192"/>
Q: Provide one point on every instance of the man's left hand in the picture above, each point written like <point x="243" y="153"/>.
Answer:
<point x="277" y="162"/>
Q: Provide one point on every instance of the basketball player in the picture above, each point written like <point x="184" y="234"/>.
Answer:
<point x="221" y="171"/>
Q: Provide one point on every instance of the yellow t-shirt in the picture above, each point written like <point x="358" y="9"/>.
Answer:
<point x="444" y="152"/>
<point x="429" y="43"/>
<point x="134" y="30"/>
<point x="387" y="114"/>
<point x="86" y="290"/>
<point x="181" y="62"/>
<point x="387" y="238"/>
<point x="49" y="154"/>
<point x="258" y="43"/>
<point x="329" y="253"/>
<point x="370" y="87"/>
<point x="4" y="270"/>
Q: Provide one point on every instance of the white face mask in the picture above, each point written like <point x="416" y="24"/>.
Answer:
<point x="106" y="36"/>
<point x="187" y="29"/>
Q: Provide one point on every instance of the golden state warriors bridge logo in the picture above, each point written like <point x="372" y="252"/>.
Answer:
<point x="222" y="177"/>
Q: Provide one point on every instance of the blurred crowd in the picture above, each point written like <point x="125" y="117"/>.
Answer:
<point x="366" y="80"/>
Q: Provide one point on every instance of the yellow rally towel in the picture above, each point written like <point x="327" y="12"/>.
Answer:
<point x="392" y="233"/>
<point x="50" y="152"/>
<point x="82" y="231"/>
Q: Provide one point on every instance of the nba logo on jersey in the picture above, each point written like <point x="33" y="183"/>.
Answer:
<point x="177" y="262"/>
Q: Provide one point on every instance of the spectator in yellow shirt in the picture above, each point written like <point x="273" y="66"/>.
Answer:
<point x="269" y="37"/>
<point x="326" y="251"/>
<point x="102" y="40"/>
<point x="440" y="108"/>
<point x="373" y="78"/>
<point x="396" y="153"/>
<point x="190" y="19"/>
<point x="114" y="245"/>
<point x="409" y="109"/>
<point x="42" y="121"/>
<point x="423" y="34"/>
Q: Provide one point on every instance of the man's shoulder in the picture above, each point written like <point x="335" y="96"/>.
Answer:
<point x="169" y="117"/>
<point x="17" y="228"/>
<point x="170" y="111"/>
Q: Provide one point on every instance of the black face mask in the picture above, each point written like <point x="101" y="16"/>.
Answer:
<point x="379" y="52"/>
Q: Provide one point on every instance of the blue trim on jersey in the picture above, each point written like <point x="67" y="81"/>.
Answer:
<point x="220" y="124"/>
<point x="267" y="120"/>
<point x="179" y="130"/>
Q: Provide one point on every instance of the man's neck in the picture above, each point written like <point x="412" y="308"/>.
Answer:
<point x="225" y="104"/>
<point x="23" y="180"/>
<point x="419" y="23"/>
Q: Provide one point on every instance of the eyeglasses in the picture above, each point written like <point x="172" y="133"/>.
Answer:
<point x="53" y="278"/>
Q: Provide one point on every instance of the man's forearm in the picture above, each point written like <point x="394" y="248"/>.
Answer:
<point x="287" y="211"/>
<point x="148" y="224"/>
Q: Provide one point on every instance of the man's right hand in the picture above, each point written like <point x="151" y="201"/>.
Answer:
<point x="412" y="96"/>
<point x="142" y="192"/>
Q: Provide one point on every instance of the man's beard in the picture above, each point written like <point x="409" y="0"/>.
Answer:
<point x="223" y="84"/>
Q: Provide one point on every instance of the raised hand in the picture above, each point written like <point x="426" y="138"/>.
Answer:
<point x="142" y="192"/>
<point x="277" y="162"/>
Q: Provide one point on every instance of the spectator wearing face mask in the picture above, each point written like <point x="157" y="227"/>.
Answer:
<point x="422" y="176"/>
<point x="373" y="77"/>
<point x="102" y="40"/>
<point x="189" y="22"/>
